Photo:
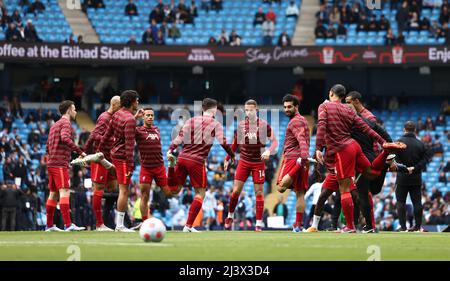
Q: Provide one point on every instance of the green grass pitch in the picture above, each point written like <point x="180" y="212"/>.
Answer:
<point x="226" y="246"/>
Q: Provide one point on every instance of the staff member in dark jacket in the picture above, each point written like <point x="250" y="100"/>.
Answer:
<point x="415" y="157"/>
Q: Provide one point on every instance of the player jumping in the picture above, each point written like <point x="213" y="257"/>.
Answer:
<point x="59" y="148"/>
<point x="296" y="146"/>
<point x="197" y="135"/>
<point x="252" y="135"/>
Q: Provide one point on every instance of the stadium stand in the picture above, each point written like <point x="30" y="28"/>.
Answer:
<point x="113" y="26"/>
<point x="429" y="27"/>
<point x="50" y="24"/>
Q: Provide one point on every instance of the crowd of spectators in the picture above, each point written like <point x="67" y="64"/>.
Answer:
<point x="332" y="20"/>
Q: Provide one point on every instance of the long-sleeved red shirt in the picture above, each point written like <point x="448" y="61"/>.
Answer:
<point x="60" y="144"/>
<point x="122" y="132"/>
<point x="252" y="137"/>
<point x="334" y="127"/>
<point x="296" y="141"/>
<point x="96" y="136"/>
<point x="197" y="136"/>
<point x="149" y="146"/>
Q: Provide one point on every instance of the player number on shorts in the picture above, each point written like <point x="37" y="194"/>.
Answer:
<point x="73" y="4"/>
<point x="75" y="253"/>
<point x="261" y="174"/>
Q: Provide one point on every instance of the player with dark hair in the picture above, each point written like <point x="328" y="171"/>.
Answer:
<point x="148" y="139"/>
<point x="344" y="155"/>
<point x="122" y="131"/>
<point x="60" y="145"/>
<point x="294" y="169"/>
<point x="197" y="136"/>
<point x="252" y="135"/>
<point x="101" y="177"/>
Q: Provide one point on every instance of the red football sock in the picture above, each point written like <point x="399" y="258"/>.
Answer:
<point x="234" y="198"/>
<point x="371" y="210"/>
<point x="193" y="210"/>
<point x="298" y="219"/>
<point x="50" y="207"/>
<point x="64" y="205"/>
<point x="379" y="162"/>
<point x="171" y="177"/>
<point x="97" y="206"/>
<point x="348" y="209"/>
<point x="259" y="207"/>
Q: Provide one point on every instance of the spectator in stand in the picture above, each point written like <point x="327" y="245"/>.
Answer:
<point x="92" y="4"/>
<point x="373" y="24"/>
<point x="80" y="40"/>
<point x="216" y="5"/>
<point x="346" y="16"/>
<point x="284" y="40"/>
<point x="164" y="29"/>
<point x="420" y="125"/>
<point x="444" y="17"/>
<point x="13" y="34"/>
<point x="193" y="9"/>
<point x="156" y="15"/>
<point x="131" y="9"/>
<point x="147" y="37"/>
<point x="235" y="39"/>
<point x="70" y="40"/>
<point x="292" y="10"/>
<point x="268" y="28"/>
<point x="181" y="6"/>
<point x="163" y="113"/>
<point x="400" y="39"/>
<point x="341" y="30"/>
<point x="223" y="39"/>
<point x="356" y="11"/>
<point x="174" y="31"/>
<point x="413" y="23"/>
<point x="331" y="32"/>
<point x="259" y="17"/>
<point x="31" y="33"/>
<point x="440" y="120"/>
<point x="132" y="40"/>
<point x="322" y="14"/>
<point x="16" y="18"/>
<point x="320" y="31"/>
<point x="424" y="24"/>
<point x="212" y="41"/>
<point x="20" y="171"/>
<point x="429" y="124"/>
<point x="36" y="7"/>
<point x="363" y="24"/>
<point x="402" y="16"/>
<point x="155" y="29"/>
<point x="390" y="38"/>
<point x="335" y="16"/>
<point x="160" y="39"/>
<point x="271" y="15"/>
<point x="443" y="178"/>
<point x="383" y="24"/>
<point x="206" y="5"/>
<point x="446" y="32"/>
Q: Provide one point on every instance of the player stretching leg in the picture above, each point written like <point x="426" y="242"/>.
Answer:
<point x="101" y="177"/>
<point x="197" y="135"/>
<point x="252" y="135"/>
<point x="148" y="139"/>
<point x="59" y="148"/>
<point x="296" y="145"/>
<point x="335" y="124"/>
<point x="122" y="132"/>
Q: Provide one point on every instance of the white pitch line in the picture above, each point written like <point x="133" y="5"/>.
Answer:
<point x="33" y="243"/>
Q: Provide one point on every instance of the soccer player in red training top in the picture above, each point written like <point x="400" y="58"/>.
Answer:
<point x="101" y="177"/>
<point x="59" y="149"/>
<point x="148" y="139"/>
<point x="296" y="146"/>
<point x="197" y="135"/>
<point x="252" y="135"/>
<point x="334" y="127"/>
<point x="122" y="130"/>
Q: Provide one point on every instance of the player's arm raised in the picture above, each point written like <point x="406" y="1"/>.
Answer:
<point x="66" y="133"/>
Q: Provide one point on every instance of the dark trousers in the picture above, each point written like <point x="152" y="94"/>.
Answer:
<point x="401" y="192"/>
<point x="9" y="214"/>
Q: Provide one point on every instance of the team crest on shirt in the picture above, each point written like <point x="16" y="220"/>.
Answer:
<point x="152" y="136"/>
<point x="101" y="177"/>
<point x="143" y="178"/>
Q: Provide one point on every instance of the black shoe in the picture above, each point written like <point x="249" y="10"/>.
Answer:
<point x="368" y="229"/>
<point x="402" y="229"/>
